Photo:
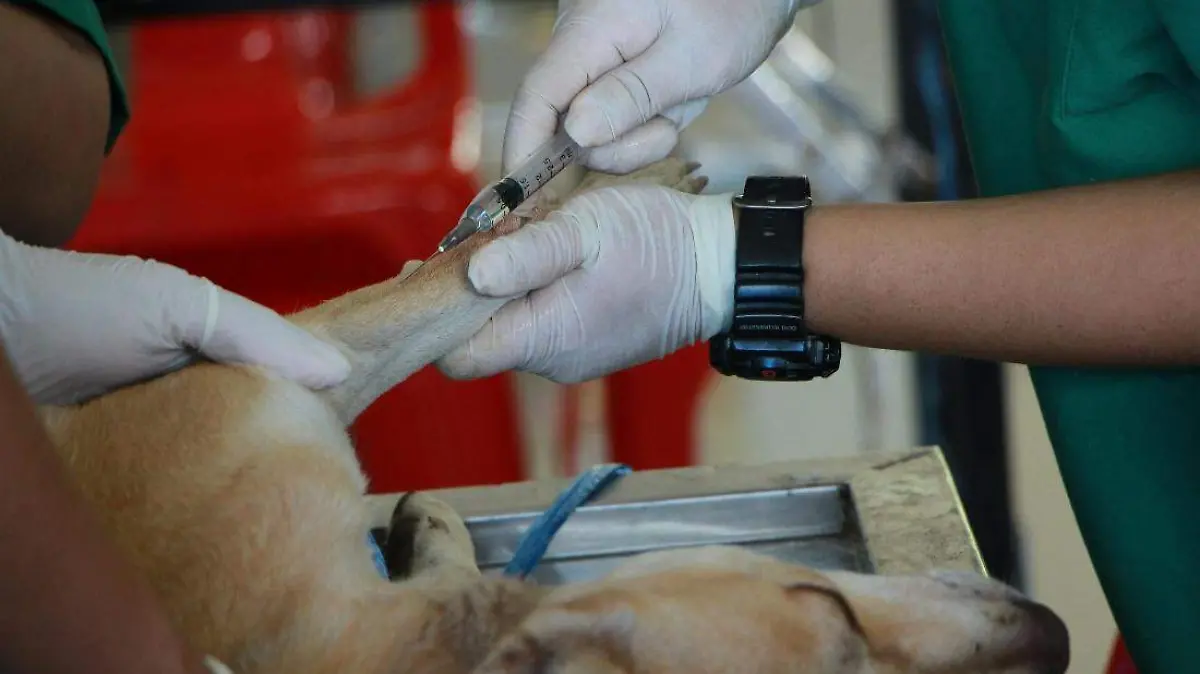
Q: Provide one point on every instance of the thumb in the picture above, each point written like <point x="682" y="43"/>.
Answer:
<point x="534" y="256"/>
<point x="579" y="51"/>
<point x="229" y="328"/>
<point x="631" y="95"/>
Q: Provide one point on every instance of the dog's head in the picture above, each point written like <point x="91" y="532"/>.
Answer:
<point x="727" y="611"/>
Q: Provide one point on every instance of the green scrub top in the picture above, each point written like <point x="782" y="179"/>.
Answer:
<point x="1068" y="92"/>
<point x="84" y="17"/>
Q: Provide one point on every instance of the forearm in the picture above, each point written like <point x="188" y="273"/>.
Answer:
<point x="53" y="125"/>
<point x="1104" y="274"/>
<point x="68" y="603"/>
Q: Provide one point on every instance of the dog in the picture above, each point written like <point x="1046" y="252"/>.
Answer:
<point x="238" y="495"/>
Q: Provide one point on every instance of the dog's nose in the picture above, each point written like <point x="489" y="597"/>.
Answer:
<point x="1046" y="641"/>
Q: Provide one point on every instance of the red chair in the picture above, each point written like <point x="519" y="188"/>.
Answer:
<point x="250" y="161"/>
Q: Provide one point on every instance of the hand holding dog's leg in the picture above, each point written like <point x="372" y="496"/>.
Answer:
<point x="392" y="329"/>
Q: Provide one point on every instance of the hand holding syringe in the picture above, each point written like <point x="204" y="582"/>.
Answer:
<point x="500" y="198"/>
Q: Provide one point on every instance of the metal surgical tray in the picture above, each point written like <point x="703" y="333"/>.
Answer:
<point x="892" y="513"/>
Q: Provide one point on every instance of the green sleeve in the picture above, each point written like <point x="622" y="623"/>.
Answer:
<point x="1181" y="18"/>
<point x="85" y="17"/>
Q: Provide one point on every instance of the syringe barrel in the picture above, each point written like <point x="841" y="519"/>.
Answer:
<point x="546" y="162"/>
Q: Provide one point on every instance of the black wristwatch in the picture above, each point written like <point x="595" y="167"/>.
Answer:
<point x="769" y="340"/>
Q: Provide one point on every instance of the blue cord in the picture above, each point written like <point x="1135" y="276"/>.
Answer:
<point x="538" y="537"/>
<point x="377" y="557"/>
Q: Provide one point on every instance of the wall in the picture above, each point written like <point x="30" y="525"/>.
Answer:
<point x="1058" y="570"/>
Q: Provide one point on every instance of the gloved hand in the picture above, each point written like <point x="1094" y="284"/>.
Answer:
<point x="76" y="325"/>
<point x="630" y="74"/>
<point x="620" y="276"/>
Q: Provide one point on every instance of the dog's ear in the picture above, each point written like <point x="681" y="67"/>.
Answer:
<point x="564" y="641"/>
<point x="830" y="593"/>
<point x="954" y="623"/>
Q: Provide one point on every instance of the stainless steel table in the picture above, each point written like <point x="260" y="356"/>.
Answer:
<point x="888" y="513"/>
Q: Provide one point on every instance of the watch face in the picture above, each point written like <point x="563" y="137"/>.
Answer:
<point x="776" y="360"/>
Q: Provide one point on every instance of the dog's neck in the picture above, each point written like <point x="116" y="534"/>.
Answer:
<point x="445" y="631"/>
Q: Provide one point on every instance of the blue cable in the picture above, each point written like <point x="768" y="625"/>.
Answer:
<point x="377" y="557"/>
<point x="541" y="533"/>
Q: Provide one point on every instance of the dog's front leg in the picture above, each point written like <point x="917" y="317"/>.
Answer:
<point x="392" y="329"/>
<point x="426" y="539"/>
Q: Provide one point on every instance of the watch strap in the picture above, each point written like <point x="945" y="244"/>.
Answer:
<point x="769" y="281"/>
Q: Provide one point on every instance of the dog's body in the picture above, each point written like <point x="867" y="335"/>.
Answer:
<point x="238" y="495"/>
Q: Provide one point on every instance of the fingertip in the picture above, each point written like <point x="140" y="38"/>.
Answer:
<point x="637" y="149"/>
<point x="307" y="359"/>
<point x="603" y="112"/>
<point x="474" y="359"/>
<point x="532" y="120"/>
<point x="491" y="270"/>
<point x="327" y="367"/>
<point x="588" y="123"/>
<point x="498" y="347"/>
<point x="252" y="334"/>
<point x="458" y="364"/>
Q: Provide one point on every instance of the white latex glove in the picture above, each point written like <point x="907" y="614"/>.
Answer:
<point x="630" y="74"/>
<point x="620" y="276"/>
<point x="76" y="325"/>
<point x="215" y="666"/>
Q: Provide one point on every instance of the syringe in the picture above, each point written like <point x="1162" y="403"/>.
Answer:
<point x="500" y="198"/>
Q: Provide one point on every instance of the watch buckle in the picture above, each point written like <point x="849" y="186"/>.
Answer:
<point x="773" y="204"/>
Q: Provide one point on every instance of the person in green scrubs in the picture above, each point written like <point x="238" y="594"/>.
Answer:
<point x="73" y="326"/>
<point x="1083" y="121"/>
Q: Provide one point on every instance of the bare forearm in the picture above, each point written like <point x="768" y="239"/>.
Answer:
<point x="54" y="112"/>
<point x="67" y="602"/>
<point x="1103" y="274"/>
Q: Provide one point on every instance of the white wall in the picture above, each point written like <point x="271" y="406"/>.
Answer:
<point x="1058" y="570"/>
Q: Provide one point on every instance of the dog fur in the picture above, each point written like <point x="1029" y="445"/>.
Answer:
<point x="238" y="495"/>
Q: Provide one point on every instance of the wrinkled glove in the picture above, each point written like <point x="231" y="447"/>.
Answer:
<point x="76" y="325"/>
<point x="620" y="276"/>
<point x="631" y="74"/>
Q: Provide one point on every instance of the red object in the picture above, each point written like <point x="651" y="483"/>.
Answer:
<point x="569" y="429"/>
<point x="249" y="160"/>
<point x="1120" y="662"/>
<point x="651" y="413"/>
<point x="652" y="410"/>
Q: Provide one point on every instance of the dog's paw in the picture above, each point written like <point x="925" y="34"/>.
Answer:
<point x="671" y="172"/>
<point x="424" y="533"/>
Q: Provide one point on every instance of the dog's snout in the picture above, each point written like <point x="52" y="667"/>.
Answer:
<point x="1045" y="637"/>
